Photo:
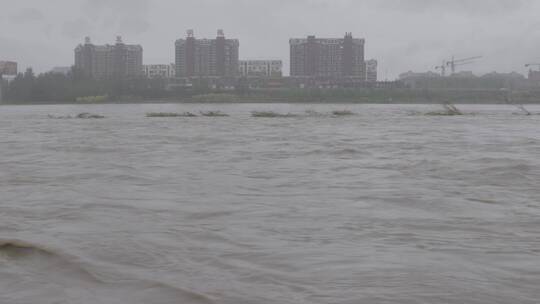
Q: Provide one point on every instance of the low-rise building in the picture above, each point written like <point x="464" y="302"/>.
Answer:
<point x="8" y="68"/>
<point x="463" y="74"/>
<point x="534" y="76"/>
<point x="61" y="70"/>
<point x="414" y="80"/>
<point x="464" y="81"/>
<point x="371" y="70"/>
<point x="159" y="70"/>
<point x="411" y="74"/>
<point x="260" y="68"/>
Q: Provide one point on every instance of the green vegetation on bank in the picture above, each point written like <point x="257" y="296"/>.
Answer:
<point x="390" y="96"/>
<point x="92" y="99"/>
<point x="76" y="87"/>
<point x="214" y="98"/>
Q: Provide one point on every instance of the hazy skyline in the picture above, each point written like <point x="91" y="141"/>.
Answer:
<point x="401" y="35"/>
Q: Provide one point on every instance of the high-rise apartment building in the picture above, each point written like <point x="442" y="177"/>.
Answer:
<point x="109" y="61"/>
<point x="206" y="57"/>
<point x="323" y="57"/>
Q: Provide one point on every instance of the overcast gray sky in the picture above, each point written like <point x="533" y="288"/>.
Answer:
<point x="402" y="34"/>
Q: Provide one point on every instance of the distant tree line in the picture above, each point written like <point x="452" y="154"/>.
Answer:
<point x="58" y="87"/>
<point x="77" y="86"/>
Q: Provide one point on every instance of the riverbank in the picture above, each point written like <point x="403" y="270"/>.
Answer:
<point x="324" y="96"/>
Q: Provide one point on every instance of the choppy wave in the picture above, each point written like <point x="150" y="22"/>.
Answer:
<point x="20" y="251"/>
<point x="376" y="207"/>
<point x="65" y="275"/>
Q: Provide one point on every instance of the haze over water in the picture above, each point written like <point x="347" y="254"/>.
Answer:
<point x="387" y="206"/>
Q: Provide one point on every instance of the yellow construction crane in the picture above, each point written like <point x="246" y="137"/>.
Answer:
<point x="453" y="63"/>
<point x="458" y="62"/>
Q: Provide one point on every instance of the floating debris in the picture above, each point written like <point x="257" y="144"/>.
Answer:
<point x="162" y="114"/>
<point x="449" y="110"/>
<point x="214" y="114"/>
<point x="270" y="114"/>
<point x="343" y="113"/>
<point x="523" y="109"/>
<point x="89" y="116"/>
<point x="59" y="117"/>
<point x="313" y="113"/>
<point x="79" y="116"/>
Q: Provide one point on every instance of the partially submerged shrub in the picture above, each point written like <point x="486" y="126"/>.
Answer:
<point x="79" y="116"/>
<point x="89" y="116"/>
<point x="163" y="114"/>
<point x="449" y="110"/>
<point x="342" y="113"/>
<point x="214" y="114"/>
<point x="314" y="113"/>
<point x="59" y="117"/>
<point x="270" y="114"/>
<point x="523" y="109"/>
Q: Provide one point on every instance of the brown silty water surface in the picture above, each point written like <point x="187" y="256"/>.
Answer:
<point x="384" y="206"/>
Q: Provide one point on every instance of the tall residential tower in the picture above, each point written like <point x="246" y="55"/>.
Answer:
<point x="206" y="57"/>
<point x="327" y="57"/>
<point x="109" y="61"/>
